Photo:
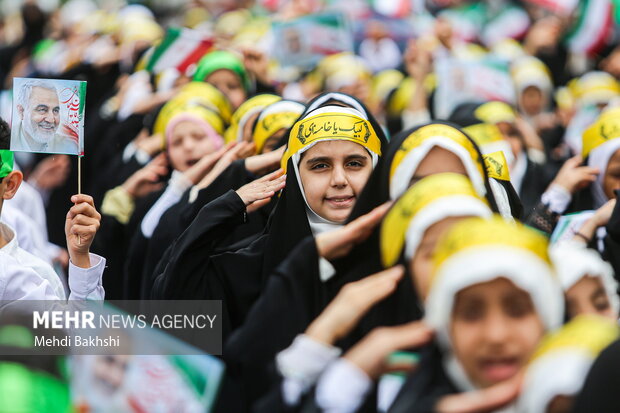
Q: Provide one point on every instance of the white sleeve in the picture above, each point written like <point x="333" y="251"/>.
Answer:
<point x="326" y="269"/>
<point x="301" y="364"/>
<point x="556" y="198"/>
<point x="23" y="283"/>
<point x="86" y="283"/>
<point x="176" y="186"/>
<point x="129" y="151"/>
<point x="342" y="388"/>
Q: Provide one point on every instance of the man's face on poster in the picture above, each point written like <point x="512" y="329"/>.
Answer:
<point x="42" y="115"/>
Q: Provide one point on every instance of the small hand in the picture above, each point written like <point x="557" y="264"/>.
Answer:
<point x="371" y="354"/>
<point x="482" y="401"/>
<point x="337" y="243"/>
<point x="146" y="180"/>
<point x="573" y="177"/>
<point x="81" y="225"/>
<point x="353" y="301"/>
<point x="258" y="193"/>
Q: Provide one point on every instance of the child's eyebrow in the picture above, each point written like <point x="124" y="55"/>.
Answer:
<point x="356" y="156"/>
<point x="319" y="159"/>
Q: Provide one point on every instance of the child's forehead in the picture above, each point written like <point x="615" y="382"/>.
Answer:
<point x="336" y="148"/>
<point x="497" y="287"/>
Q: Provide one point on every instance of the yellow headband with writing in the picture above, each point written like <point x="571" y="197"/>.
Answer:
<point x="495" y="112"/>
<point x="606" y="128"/>
<point x="484" y="133"/>
<point x="258" y="102"/>
<point x="418" y="197"/>
<point x="331" y="126"/>
<point x="476" y="232"/>
<point x="497" y="166"/>
<point x="419" y="136"/>
<point x="270" y="124"/>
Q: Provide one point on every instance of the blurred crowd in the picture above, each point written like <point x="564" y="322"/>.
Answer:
<point x="403" y="205"/>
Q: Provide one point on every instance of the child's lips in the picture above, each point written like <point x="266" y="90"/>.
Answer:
<point x="499" y="369"/>
<point x="339" y="202"/>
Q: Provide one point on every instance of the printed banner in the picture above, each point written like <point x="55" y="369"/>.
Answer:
<point x="124" y="383"/>
<point x="305" y="41"/>
<point x="48" y="116"/>
<point x="460" y="81"/>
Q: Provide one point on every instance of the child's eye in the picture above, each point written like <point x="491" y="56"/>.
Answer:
<point x="319" y="166"/>
<point x="601" y="304"/>
<point x="355" y="164"/>
<point x="518" y="307"/>
<point x="471" y="311"/>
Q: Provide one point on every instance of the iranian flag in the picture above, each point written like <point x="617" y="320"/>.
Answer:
<point x="593" y="27"/>
<point x="179" y="49"/>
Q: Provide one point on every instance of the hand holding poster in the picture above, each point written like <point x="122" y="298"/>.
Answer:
<point x="48" y="116"/>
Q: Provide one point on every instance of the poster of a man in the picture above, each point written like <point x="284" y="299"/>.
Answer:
<point x="48" y="116"/>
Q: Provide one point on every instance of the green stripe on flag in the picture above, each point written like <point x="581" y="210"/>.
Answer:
<point x="172" y="35"/>
<point x="82" y="98"/>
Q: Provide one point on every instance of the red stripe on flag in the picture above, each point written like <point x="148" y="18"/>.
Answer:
<point x="601" y="40"/>
<point x="194" y="56"/>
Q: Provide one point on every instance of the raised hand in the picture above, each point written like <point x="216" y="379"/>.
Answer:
<point x="146" y="180"/>
<point x="352" y="302"/>
<point x="337" y="243"/>
<point x="258" y="193"/>
<point x="481" y="401"/>
<point x="81" y="225"/>
<point x="371" y="354"/>
<point x="573" y="177"/>
<point x="232" y="152"/>
<point x="265" y="162"/>
<point x="51" y="172"/>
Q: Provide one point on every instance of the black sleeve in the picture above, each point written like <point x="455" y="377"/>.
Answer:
<point x="612" y="239"/>
<point x="286" y="306"/>
<point x="542" y="219"/>
<point x="286" y="303"/>
<point x="190" y="252"/>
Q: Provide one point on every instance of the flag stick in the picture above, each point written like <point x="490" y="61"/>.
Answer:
<point x="79" y="186"/>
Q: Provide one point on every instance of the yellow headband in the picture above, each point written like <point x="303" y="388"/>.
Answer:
<point x="497" y="166"/>
<point x="207" y="95"/>
<point x="331" y="126"/>
<point x="484" y="133"/>
<point x="270" y="124"/>
<point x="257" y="102"/>
<point x="174" y="108"/>
<point x="431" y="131"/>
<point x="606" y="128"/>
<point x="477" y="232"/>
<point x="586" y="332"/>
<point x="418" y="197"/>
<point x="495" y="112"/>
